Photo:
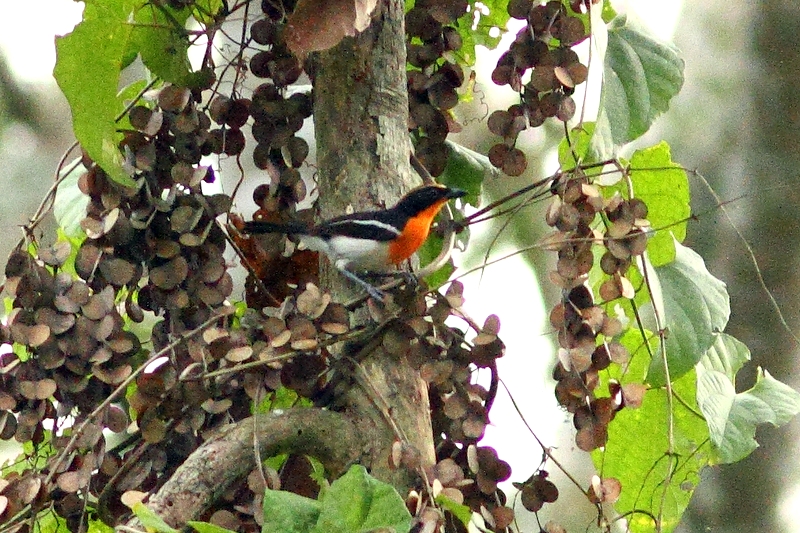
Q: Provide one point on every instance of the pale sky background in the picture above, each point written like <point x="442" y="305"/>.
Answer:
<point x="28" y="47"/>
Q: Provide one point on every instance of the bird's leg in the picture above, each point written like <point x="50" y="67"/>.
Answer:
<point x="408" y="277"/>
<point x="372" y="291"/>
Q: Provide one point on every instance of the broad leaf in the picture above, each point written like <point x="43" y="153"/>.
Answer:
<point x="696" y="307"/>
<point x="205" y="11"/>
<point x="357" y="502"/>
<point x="87" y="71"/>
<point x="429" y="251"/>
<point x="69" y="206"/>
<point x="641" y="75"/>
<point x="459" y="510"/>
<point x="575" y="149"/>
<point x="467" y="169"/>
<point x="287" y="512"/>
<point x="483" y="25"/>
<point x="638" y="441"/>
<point x="49" y="522"/>
<point x="150" y="520"/>
<point x="90" y="59"/>
<point x="160" y="38"/>
<point x="664" y="187"/>
<point x="96" y="526"/>
<point x="608" y="12"/>
<point x="732" y="418"/>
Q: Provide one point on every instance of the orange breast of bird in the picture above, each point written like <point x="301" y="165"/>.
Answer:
<point x="414" y="234"/>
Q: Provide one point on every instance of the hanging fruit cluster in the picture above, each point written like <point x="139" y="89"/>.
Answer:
<point x="544" y="69"/>
<point x="432" y="41"/>
<point x="585" y="331"/>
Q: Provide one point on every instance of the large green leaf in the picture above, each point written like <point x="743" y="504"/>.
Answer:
<point x="287" y="512"/>
<point x="90" y="59"/>
<point x="732" y="418"/>
<point x="161" y="40"/>
<point x="696" y="307"/>
<point x="359" y="503"/>
<point x="574" y="149"/>
<point x="641" y="75"/>
<point x="467" y="169"/>
<point x="638" y="440"/>
<point x="87" y="69"/>
<point x="664" y="187"/>
<point x="354" y="503"/>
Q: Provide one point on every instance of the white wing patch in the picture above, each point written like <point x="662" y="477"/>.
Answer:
<point x="351" y="254"/>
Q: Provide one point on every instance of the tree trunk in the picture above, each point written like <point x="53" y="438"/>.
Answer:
<point x="361" y="123"/>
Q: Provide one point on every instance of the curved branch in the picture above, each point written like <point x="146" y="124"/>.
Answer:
<point x="228" y="457"/>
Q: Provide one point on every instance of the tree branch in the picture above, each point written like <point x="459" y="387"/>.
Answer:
<point x="228" y="457"/>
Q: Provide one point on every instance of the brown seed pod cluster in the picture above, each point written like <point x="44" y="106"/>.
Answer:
<point x="432" y="39"/>
<point x="154" y="255"/>
<point x="537" y="491"/>
<point x="465" y="472"/>
<point x="542" y="67"/>
<point x="585" y="331"/>
<point x="277" y="116"/>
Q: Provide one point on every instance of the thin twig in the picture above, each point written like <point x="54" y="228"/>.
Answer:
<point x="753" y="260"/>
<point x="544" y="448"/>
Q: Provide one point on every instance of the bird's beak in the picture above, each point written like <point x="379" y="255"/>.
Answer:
<point x="455" y="193"/>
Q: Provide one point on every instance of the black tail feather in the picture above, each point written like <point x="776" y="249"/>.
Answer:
<point x="261" y="226"/>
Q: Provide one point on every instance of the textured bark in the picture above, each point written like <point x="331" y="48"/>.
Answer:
<point x="361" y="123"/>
<point x="228" y="457"/>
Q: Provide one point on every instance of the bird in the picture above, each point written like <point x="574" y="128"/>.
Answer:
<point x="370" y="241"/>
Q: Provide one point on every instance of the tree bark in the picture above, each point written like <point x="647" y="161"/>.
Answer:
<point x="361" y="124"/>
<point x="229" y="456"/>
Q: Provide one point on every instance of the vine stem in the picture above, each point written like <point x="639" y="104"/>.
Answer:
<point x="752" y="256"/>
<point x="662" y="342"/>
<point x="544" y="448"/>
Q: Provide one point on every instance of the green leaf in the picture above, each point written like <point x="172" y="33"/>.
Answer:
<point x="576" y="146"/>
<point x="696" y="307"/>
<point x="732" y="418"/>
<point x="641" y="75"/>
<point x="97" y="526"/>
<point x="49" y="522"/>
<point x="462" y="512"/>
<point x="664" y="187"/>
<point x="205" y="527"/>
<point x="150" y="520"/>
<point x="608" y="13"/>
<point x="357" y="502"/>
<point x="487" y="31"/>
<point x="160" y="38"/>
<point x="205" y="11"/>
<point x="87" y="70"/>
<point x="467" y="169"/>
<point x="287" y="512"/>
<point x="69" y="206"/>
<point x="429" y="251"/>
<point x="638" y="440"/>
